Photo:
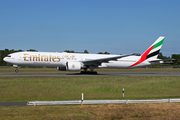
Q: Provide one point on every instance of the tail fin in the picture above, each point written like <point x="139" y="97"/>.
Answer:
<point x="152" y="52"/>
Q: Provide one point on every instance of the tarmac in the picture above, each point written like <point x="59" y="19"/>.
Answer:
<point x="99" y="74"/>
<point x="7" y="104"/>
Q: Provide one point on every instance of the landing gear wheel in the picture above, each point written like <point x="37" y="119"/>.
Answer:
<point x="16" y="70"/>
<point x="95" y="73"/>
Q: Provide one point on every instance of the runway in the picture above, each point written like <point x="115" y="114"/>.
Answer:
<point x="13" y="104"/>
<point x="99" y="74"/>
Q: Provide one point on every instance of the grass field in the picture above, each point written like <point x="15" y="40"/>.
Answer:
<point x="93" y="87"/>
<point x="157" y="111"/>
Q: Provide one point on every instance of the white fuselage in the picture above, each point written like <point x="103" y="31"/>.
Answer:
<point x="50" y="59"/>
<point x="78" y="61"/>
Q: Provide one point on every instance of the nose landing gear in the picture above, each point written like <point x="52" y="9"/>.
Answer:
<point x="16" y="70"/>
<point x="16" y="66"/>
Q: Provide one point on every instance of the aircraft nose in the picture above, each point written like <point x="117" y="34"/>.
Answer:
<point x="4" y="59"/>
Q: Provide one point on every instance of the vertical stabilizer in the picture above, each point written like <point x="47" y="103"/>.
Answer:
<point x="152" y="52"/>
<point x="156" y="46"/>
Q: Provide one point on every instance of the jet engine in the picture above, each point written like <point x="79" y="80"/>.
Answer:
<point x="73" y="66"/>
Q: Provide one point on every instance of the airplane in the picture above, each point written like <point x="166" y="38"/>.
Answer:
<point x="77" y="61"/>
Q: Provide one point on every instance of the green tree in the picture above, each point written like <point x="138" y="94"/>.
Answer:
<point x="32" y="50"/>
<point x="100" y="52"/>
<point x="85" y="51"/>
<point x="160" y="56"/>
<point x="103" y="53"/>
<point x="106" y="53"/>
<point x="137" y="54"/>
<point x="69" y="51"/>
<point x="176" y="58"/>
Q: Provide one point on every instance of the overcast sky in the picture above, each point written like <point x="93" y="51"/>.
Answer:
<point x="115" y="26"/>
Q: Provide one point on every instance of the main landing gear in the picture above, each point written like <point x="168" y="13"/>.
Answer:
<point x="89" y="72"/>
<point x="16" y="68"/>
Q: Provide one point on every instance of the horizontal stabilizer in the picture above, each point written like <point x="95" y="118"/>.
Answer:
<point x="157" y="60"/>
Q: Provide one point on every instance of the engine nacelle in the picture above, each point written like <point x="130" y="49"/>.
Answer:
<point x="73" y="66"/>
<point x="61" y="68"/>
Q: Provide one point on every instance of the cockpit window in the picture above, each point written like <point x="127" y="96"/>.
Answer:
<point x="8" y="56"/>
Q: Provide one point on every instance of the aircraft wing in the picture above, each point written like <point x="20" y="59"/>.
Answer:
<point x="95" y="62"/>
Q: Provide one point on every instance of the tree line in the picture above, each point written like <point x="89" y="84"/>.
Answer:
<point x="85" y="51"/>
<point x="4" y="53"/>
